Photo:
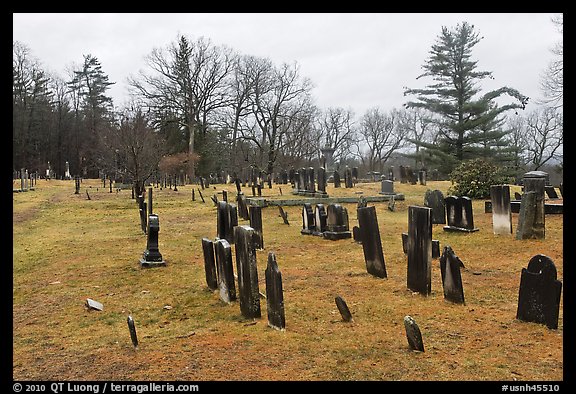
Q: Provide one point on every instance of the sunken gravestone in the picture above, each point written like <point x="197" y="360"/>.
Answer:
<point x="539" y="294"/>
<point x="501" y="210"/>
<point x="209" y="264"/>
<point x="413" y="334"/>
<point x="419" y="249"/>
<point x="152" y="256"/>
<point x="274" y="294"/>
<point x="226" y="286"/>
<point x="451" y="278"/>
<point x="371" y="242"/>
<point x="247" y="269"/>
<point x="434" y="199"/>
<point x="337" y="225"/>
<point x="308" y="224"/>
<point x="459" y="214"/>
<point x="343" y="309"/>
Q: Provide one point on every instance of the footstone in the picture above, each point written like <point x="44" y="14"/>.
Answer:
<point x="210" y="264"/>
<point x="132" y="329"/>
<point x="249" y="294"/>
<point x="371" y="242"/>
<point x="343" y="309"/>
<point x="451" y="278"/>
<point x="413" y="334"/>
<point x="226" y="285"/>
<point x="274" y="294"/>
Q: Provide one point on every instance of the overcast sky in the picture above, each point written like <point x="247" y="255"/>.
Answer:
<point x="354" y="60"/>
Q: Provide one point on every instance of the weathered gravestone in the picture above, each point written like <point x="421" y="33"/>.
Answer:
<point x="434" y="199"/>
<point x="274" y="294"/>
<point x="132" y="329"/>
<point x="77" y="184"/>
<point x="539" y="294"/>
<point x="459" y="214"/>
<point x="422" y="177"/>
<point x="356" y="235"/>
<point x="320" y="217"/>
<point x="152" y="256"/>
<point x="247" y="271"/>
<point x="311" y="185"/>
<point x="387" y="187"/>
<point x="150" y="212"/>
<point x="283" y="214"/>
<point x="413" y="334"/>
<point x="226" y="285"/>
<point x="403" y="175"/>
<point x="226" y="220"/>
<point x="501" y="211"/>
<point x="336" y="223"/>
<point x="336" y="179"/>
<point x="531" y="219"/>
<point x="308" y="224"/>
<point x="419" y="249"/>
<point x="348" y="178"/>
<point x="343" y="309"/>
<point x="451" y="278"/>
<point x="143" y="213"/>
<point x="209" y="264"/>
<point x="371" y="242"/>
<point x="256" y="224"/>
<point x="322" y="181"/>
<point x="242" y="206"/>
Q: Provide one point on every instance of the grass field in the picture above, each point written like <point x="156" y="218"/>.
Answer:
<point x="67" y="248"/>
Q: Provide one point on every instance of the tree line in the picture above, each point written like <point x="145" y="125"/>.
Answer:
<point x="199" y="109"/>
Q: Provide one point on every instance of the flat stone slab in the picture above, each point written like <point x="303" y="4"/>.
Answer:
<point x="324" y="200"/>
<point x="91" y="304"/>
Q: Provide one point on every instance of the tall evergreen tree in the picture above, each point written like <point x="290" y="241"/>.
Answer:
<point x="468" y="123"/>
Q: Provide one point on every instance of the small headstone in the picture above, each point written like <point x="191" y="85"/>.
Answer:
<point x="343" y="308"/>
<point x="274" y="294"/>
<point x="540" y="291"/>
<point x="356" y="235"/>
<point x="392" y="204"/>
<point x="132" y="329"/>
<point x="91" y="304"/>
<point x="387" y="187"/>
<point x="434" y="199"/>
<point x="413" y="334"/>
<point x="210" y="264"/>
<point x="459" y="214"/>
<point x="451" y="278"/>
<point x="336" y="179"/>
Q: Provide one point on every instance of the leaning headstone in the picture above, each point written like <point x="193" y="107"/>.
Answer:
<point x="152" y="256"/>
<point x="343" y="309"/>
<point x="320" y="217"/>
<point x="551" y="192"/>
<point x="371" y="242"/>
<point x="413" y="334"/>
<point x="283" y="214"/>
<point x="451" y="277"/>
<point x="459" y="214"/>
<point x="247" y="270"/>
<point x="392" y="204"/>
<point x="539" y="294"/>
<point x="132" y="329"/>
<point x="337" y="225"/>
<point x="435" y="199"/>
<point x="274" y="294"/>
<point x="209" y="264"/>
<point x="256" y="224"/>
<point x="95" y="305"/>
<point x="308" y="224"/>
<point x="419" y="277"/>
<point x="501" y="210"/>
<point x="226" y="286"/>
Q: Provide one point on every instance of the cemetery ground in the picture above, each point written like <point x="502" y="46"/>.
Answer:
<point x="67" y="248"/>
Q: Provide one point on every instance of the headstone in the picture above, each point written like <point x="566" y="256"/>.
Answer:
<point x="354" y="175"/>
<point x="371" y="242"/>
<point x="224" y="267"/>
<point x="422" y="177"/>
<point x="419" y="277"/>
<point x="67" y="172"/>
<point x="435" y="246"/>
<point x="225" y="195"/>
<point x="311" y="181"/>
<point x="413" y="334"/>
<point x="529" y="222"/>
<point x="336" y="179"/>
<point x="434" y="199"/>
<point x="283" y="214"/>
<point x="242" y="206"/>
<point x="356" y="235"/>
<point x="451" y="278"/>
<point x="132" y="329"/>
<point x="210" y="264"/>
<point x="540" y="291"/>
<point x="501" y="211"/>
<point x="320" y="217"/>
<point x="392" y="204"/>
<point x="152" y="256"/>
<point x="256" y="224"/>
<point x="150" y="201"/>
<point x="336" y="223"/>
<point x="274" y="294"/>
<point x="459" y="214"/>
<point x="391" y="174"/>
<point x="77" y="182"/>
<point x="308" y="220"/>
<point x="343" y="309"/>
<point x="348" y="178"/>
<point x="387" y="187"/>
<point x="403" y="175"/>
<point x="321" y="180"/>
<point x="413" y="179"/>
<point x="227" y="219"/>
<point x="143" y="214"/>
<point x="551" y="192"/>
<point x="247" y="271"/>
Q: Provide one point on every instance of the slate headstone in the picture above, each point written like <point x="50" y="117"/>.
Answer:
<point x="434" y="199"/>
<point x="308" y="220"/>
<point x="419" y="276"/>
<point x="247" y="269"/>
<point x="451" y="277"/>
<point x="501" y="210"/>
<point x="459" y="214"/>
<point x="256" y="224"/>
<point x="274" y="294"/>
<point x="226" y="285"/>
<point x="132" y="329"/>
<point x="210" y="264"/>
<point x="343" y="309"/>
<point x="413" y="334"/>
<point x="371" y="242"/>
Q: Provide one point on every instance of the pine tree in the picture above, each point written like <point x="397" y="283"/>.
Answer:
<point x="469" y="126"/>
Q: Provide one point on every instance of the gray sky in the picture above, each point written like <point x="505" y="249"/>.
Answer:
<point x="355" y="60"/>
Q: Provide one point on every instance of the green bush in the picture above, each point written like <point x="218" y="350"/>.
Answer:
<point x="472" y="178"/>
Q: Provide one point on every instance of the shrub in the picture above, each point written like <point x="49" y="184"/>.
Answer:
<point x="472" y="178"/>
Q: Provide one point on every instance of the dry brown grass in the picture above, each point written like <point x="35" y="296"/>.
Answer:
<point x="67" y="249"/>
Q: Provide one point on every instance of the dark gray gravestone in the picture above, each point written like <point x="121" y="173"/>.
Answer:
<point x="320" y="217"/>
<point x="336" y="179"/>
<point x="226" y="286"/>
<point x="413" y="334"/>
<point x="322" y="180"/>
<point x="419" y="249"/>
<point x="348" y="178"/>
<point x="501" y="211"/>
<point x="227" y="219"/>
<point x="311" y="182"/>
<point x="392" y="204"/>
<point x="403" y="175"/>
<point x="200" y="193"/>
<point x="242" y="206"/>
<point x="459" y="214"/>
<point x="517" y="196"/>
<point x="132" y="329"/>
<point x="308" y="224"/>
<point x="534" y="226"/>
<point x="143" y="214"/>
<point x="343" y="309"/>
<point x="387" y="187"/>
<point x="451" y="277"/>
<point x="225" y="195"/>
<point x="274" y="294"/>
<point x="529" y="227"/>
<point x="422" y="177"/>
<point x="336" y="223"/>
<point x="152" y="256"/>
<point x="256" y="224"/>
<point x="551" y="192"/>
<point x="247" y="271"/>
<point x="210" y="264"/>
<point x="150" y="212"/>
<point x="283" y="214"/>
<point x="539" y="294"/>
<point x="412" y="178"/>
<point x="371" y="242"/>
<point x="356" y="235"/>
<point x="435" y="246"/>
<point x="434" y="199"/>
